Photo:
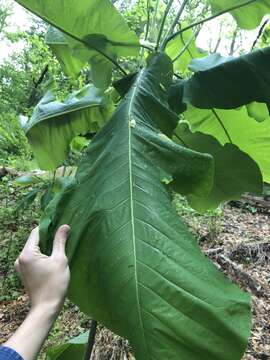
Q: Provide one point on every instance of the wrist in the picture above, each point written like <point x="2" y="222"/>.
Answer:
<point x="47" y="310"/>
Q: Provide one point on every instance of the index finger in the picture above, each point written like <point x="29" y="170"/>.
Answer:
<point x="33" y="240"/>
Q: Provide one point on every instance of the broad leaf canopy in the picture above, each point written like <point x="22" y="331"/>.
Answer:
<point x="94" y="27"/>
<point x="135" y="267"/>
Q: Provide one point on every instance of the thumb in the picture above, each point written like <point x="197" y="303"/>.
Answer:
<point x="60" y="239"/>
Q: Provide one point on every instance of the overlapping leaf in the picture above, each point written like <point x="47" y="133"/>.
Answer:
<point x="94" y="27"/>
<point x="235" y="172"/>
<point x="54" y="124"/>
<point x="73" y="56"/>
<point x="235" y="125"/>
<point x="227" y="83"/>
<point x="184" y="45"/>
<point x="247" y="17"/>
<point x="134" y="266"/>
<point x="57" y="41"/>
<point x="70" y="350"/>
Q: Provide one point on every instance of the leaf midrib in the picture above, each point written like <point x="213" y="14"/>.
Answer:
<point x="130" y="118"/>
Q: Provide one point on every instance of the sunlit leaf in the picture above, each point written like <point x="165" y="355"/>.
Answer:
<point x="96" y="31"/>
<point x="235" y="172"/>
<point x="57" y="41"/>
<point x="250" y="136"/>
<point x="176" y="47"/>
<point x="70" y="350"/>
<point x="247" y="17"/>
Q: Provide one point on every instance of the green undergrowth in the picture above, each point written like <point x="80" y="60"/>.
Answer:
<point x="14" y="229"/>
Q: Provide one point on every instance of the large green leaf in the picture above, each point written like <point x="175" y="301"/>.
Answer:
<point x="57" y="41"/>
<point x="54" y="124"/>
<point x="247" y="17"/>
<point x="250" y="136"/>
<point x="227" y="83"/>
<point x="235" y="172"/>
<point x="93" y="26"/>
<point x="70" y="350"/>
<point x="73" y="56"/>
<point x="134" y="265"/>
<point x="185" y="45"/>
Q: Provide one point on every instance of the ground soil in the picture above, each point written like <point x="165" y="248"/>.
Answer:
<point x="237" y="241"/>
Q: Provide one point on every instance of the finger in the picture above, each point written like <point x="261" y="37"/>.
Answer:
<point x="33" y="241"/>
<point x="60" y="239"/>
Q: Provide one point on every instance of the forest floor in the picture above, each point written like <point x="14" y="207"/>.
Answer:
<point x="236" y="239"/>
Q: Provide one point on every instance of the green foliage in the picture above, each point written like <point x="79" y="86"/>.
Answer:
<point x="244" y="79"/>
<point x="235" y="125"/>
<point x="240" y="169"/>
<point x="248" y="17"/>
<point x="13" y="142"/>
<point x="59" y="45"/>
<point x="54" y="124"/>
<point x="135" y="267"/>
<point x="72" y="349"/>
<point x="94" y="41"/>
<point x="124" y="174"/>
<point x="14" y="229"/>
<point x="182" y="49"/>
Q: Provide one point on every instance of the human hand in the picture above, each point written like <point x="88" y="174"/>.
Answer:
<point x="45" y="278"/>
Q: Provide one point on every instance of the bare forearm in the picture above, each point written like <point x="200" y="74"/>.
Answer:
<point x="46" y="281"/>
<point x="30" y="336"/>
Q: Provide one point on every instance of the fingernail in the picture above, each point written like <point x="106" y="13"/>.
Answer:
<point x="65" y="228"/>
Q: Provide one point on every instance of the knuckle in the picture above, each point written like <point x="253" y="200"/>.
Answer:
<point x="65" y="261"/>
<point x="62" y="261"/>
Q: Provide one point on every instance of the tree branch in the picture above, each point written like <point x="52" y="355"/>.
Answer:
<point x="233" y="42"/>
<point x="176" y="20"/>
<point x="208" y="19"/>
<point x="259" y="34"/>
<point x="36" y="84"/>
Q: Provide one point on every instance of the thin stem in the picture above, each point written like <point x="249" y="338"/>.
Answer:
<point x="208" y="19"/>
<point x="168" y="7"/>
<point x="91" y="340"/>
<point x="148" y="20"/>
<point x="222" y="125"/>
<point x="186" y="46"/>
<point x="178" y="76"/>
<point x="78" y="39"/>
<point x="259" y="34"/>
<point x="176" y="20"/>
<point x="178" y="137"/>
<point x="146" y="47"/>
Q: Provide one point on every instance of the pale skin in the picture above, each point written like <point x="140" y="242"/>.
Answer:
<point x="46" y="280"/>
